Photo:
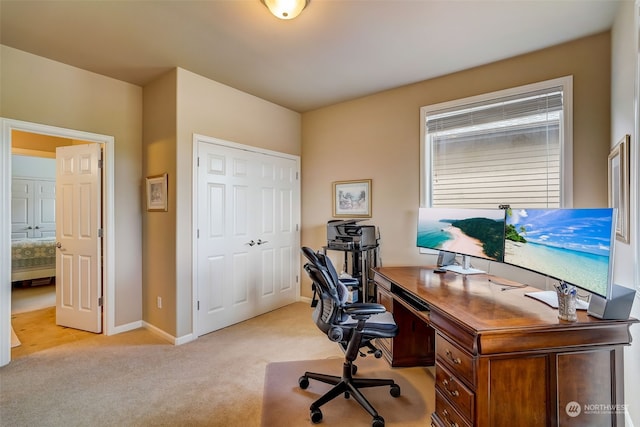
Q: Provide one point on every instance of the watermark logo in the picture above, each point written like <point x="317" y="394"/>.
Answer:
<point x="573" y="409"/>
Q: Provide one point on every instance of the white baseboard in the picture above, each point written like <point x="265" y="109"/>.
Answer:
<point x="125" y="328"/>
<point x="305" y="299"/>
<point x="168" y="337"/>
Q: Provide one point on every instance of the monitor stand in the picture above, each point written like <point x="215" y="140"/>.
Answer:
<point x="465" y="268"/>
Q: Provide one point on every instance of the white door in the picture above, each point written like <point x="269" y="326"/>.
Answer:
<point x="21" y="208"/>
<point x="44" y="208"/>
<point x="78" y="259"/>
<point x="247" y="220"/>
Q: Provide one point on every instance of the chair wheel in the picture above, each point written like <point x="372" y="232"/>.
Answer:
<point x="377" y="354"/>
<point x="303" y="382"/>
<point x="395" y="390"/>
<point x="354" y="369"/>
<point x="377" y="422"/>
<point x="316" y="415"/>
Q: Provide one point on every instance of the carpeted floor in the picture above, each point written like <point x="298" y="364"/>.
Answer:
<point x="286" y="404"/>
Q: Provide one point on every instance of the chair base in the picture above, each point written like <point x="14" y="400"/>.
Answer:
<point x="350" y="387"/>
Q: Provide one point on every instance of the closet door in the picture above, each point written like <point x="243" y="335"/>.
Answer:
<point x="44" y="209"/>
<point x="247" y="247"/>
<point x="33" y="208"/>
<point x="22" y="200"/>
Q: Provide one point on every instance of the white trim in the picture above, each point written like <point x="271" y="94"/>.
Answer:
<point x="635" y="165"/>
<point x="8" y="125"/>
<point x="197" y="138"/>
<point x="126" y="327"/>
<point x="168" y="337"/>
<point x="566" y="197"/>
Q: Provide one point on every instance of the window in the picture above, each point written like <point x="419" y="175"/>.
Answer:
<point x="511" y="147"/>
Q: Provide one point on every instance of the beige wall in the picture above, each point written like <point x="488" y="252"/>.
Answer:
<point x="378" y="137"/>
<point x="210" y="108"/>
<point x="624" y="55"/>
<point x="177" y="106"/>
<point x="38" y="90"/>
<point x="158" y="228"/>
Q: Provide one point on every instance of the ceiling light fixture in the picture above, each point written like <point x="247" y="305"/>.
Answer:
<point x="285" y="9"/>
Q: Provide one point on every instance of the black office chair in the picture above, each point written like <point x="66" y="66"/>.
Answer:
<point x="353" y="326"/>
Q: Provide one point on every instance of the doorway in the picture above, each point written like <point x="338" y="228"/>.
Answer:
<point x="107" y="142"/>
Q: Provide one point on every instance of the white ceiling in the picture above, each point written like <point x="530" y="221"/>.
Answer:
<point x="334" y="51"/>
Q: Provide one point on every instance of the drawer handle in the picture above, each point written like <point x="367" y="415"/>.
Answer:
<point x="446" y="383"/>
<point x="445" y="413"/>
<point x="455" y="360"/>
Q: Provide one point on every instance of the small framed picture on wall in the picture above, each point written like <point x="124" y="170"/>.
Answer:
<point x="157" y="193"/>
<point x="352" y="199"/>
<point x="619" y="186"/>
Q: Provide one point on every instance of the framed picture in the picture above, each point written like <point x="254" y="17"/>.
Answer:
<point x="352" y="199"/>
<point x="157" y="193"/>
<point x="619" y="186"/>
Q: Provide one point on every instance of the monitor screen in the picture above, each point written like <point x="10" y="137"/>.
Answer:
<point x="473" y="232"/>
<point x="572" y="245"/>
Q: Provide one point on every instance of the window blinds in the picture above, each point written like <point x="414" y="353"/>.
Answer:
<point x="503" y="151"/>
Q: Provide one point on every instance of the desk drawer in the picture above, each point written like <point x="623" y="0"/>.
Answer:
<point x="456" y="393"/>
<point x="447" y="415"/>
<point x="459" y="362"/>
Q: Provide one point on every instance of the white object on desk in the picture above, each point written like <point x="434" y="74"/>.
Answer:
<point x="551" y="299"/>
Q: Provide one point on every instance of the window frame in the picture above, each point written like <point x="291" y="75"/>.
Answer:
<point x="566" y="148"/>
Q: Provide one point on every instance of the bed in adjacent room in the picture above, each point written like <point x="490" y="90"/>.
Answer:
<point x="33" y="258"/>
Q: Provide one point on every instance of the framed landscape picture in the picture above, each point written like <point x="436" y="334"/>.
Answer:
<point x="352" y="199"/>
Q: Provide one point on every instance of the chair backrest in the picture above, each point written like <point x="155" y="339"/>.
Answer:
<point x="331" y="292"/>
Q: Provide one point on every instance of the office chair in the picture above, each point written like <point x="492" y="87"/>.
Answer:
<point x="353" y="326"/>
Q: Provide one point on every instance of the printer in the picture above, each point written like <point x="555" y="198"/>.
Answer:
<point x="349" y="235"/>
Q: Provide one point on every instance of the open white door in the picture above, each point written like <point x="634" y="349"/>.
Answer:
<point x="78" y="230"/>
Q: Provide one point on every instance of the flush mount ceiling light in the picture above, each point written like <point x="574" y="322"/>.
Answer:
<point x="285" y="9"/>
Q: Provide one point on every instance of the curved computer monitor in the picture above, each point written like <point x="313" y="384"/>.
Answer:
<point x="571" y="245"/>
<point x="469" y="232"/>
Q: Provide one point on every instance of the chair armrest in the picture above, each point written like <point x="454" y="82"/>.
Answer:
<point x="364" y="309"/>
<point x="349" y="282"/>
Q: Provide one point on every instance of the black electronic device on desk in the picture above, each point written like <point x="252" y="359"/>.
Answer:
<point x="348" y="235"/>
<point x="360" y="246"/>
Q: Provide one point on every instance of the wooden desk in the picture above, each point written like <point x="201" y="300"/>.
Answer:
<point x="502" y="358"/>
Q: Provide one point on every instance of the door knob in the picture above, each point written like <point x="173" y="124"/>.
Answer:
<point x="58" y="245"/>
<point x="251" y="243"/>
<point x="262" y="242"/>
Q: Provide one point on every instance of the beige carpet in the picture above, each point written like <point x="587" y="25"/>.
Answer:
<point x="286" y="404"/>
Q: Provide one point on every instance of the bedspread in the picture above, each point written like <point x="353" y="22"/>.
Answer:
<point x="33" y="253"/>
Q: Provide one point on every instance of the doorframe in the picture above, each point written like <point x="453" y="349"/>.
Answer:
<point x="108" y="267"/>
<point x="196" y="140"/>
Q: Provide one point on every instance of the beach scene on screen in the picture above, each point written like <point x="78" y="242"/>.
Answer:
<point x="573" y="245"/>
<point x="475" y="232"/>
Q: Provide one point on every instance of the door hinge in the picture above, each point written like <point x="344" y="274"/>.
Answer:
<point x="100" y="162"/>
<point x="198" y="233"/>
<point x="198" y="305"/>
<point x="100" y="232"/>
<point x="297" y="227"/>
<point x="99" y="301"/>
<point x="198" y="161"/>
<point x="297" y="278"/>
<point x="297" y="175"/>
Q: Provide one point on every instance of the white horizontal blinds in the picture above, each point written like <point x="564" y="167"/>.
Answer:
<point x="503" y="151"/>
